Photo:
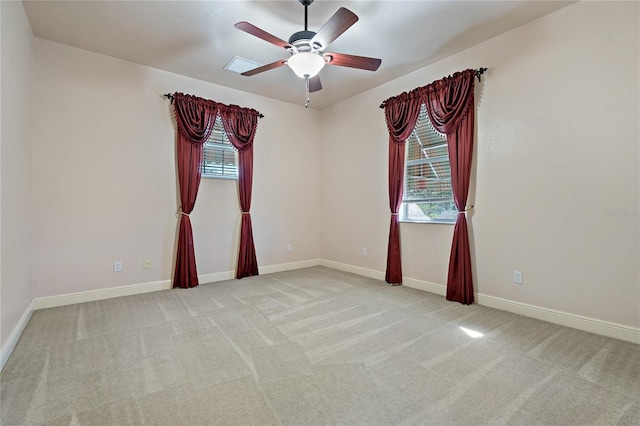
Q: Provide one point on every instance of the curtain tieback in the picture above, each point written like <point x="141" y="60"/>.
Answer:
<point x="465" y="210"/>
<point x="245" y="212"/>
<point x="394" y="214"/>
<point x="180" y="212"/>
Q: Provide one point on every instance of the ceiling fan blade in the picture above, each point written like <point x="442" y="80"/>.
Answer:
<point x="255" y="31"/>
<point x="352" y="61"/>
<point x="331" y="30"/>
<point x="264" y="68"/>
<point x="315" y="84"/>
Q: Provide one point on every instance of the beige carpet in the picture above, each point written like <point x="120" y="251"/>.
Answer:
<point x="311" y="347"/>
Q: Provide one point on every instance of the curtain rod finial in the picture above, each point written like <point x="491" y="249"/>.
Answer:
<point x="168" y="96"/>
<point x="479" y="72"/>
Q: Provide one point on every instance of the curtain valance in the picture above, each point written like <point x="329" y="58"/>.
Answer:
<point x="196" y="116"/>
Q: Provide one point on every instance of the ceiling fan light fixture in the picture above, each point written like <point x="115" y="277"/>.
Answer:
<point x="306" y="64"/>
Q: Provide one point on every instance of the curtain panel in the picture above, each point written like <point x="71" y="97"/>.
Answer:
<point x="450" y="106"/>
<point x="195" y="118"/>
<point x="240" y="126"/>
<point x="401" y="114"/>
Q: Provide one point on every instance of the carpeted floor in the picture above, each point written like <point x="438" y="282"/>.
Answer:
<point x="311" y="347"/>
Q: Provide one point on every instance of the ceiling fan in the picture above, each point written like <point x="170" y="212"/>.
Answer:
<point x="307" y="48"/>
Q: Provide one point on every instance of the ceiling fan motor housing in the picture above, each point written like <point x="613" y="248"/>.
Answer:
<point x="300" y="36"/>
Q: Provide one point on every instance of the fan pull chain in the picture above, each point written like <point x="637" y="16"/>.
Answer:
<point x="306" y="79"/>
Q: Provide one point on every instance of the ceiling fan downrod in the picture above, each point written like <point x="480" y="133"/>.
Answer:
<point x="306" y="4"/>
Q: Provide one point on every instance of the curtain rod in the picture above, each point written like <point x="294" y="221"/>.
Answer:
<point x="170" y="96"/>
<point x="479" y="73"/>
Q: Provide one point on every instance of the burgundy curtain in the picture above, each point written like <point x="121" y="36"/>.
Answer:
<point x="194" y="118"/>
<point x="450" y="105"/>
<point x="401" y="113"/>
<point x="240" y="126"/>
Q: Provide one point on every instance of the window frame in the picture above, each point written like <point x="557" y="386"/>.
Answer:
<point x="404" y="206"/>
<point x="218" y="142"/>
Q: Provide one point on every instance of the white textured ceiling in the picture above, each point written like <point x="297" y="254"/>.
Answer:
<point x="197" y="38"/>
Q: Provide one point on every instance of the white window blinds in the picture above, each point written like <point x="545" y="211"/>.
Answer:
<point x="220" y="159"/>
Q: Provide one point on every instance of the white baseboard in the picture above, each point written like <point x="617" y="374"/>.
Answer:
<point x="370" y="273"/>
<point x="215" y="277"/>
<point x="129" y="290"/>
<point x="605" y="328"/>
<point x="101" y="294"/>
<point x="378" y="275"/>
<point x="12" y="341"/>
<point x="264" y="270"/>
<point x="281" y="267"/>
<point x="425" y="286"/>
<point x="591" y="325"/>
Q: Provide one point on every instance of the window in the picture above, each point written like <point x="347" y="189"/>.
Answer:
<point x="220" y="158"/>
<point x="428" y="196"/>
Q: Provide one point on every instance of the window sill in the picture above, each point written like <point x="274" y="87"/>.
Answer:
<point x="435" y="222"/>
<point x="220" y="177"/>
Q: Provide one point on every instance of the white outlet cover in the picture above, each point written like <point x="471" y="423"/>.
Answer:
<point x="517" y="277"/>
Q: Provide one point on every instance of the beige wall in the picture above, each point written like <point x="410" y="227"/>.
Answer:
<point x="557" y="148"/>
<point x="15" y="278"/>
<point x="104" y="185"/>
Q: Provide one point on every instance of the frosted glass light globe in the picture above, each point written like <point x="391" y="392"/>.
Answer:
<point x="306" y="64"/>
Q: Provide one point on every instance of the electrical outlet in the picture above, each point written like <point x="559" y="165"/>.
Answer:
<point x="289" y="248"/>
<point x="117" y="266"/>
<point x="517" y="277"/>
<point x="146" y="263"/>
<point x="364" y="252"/>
